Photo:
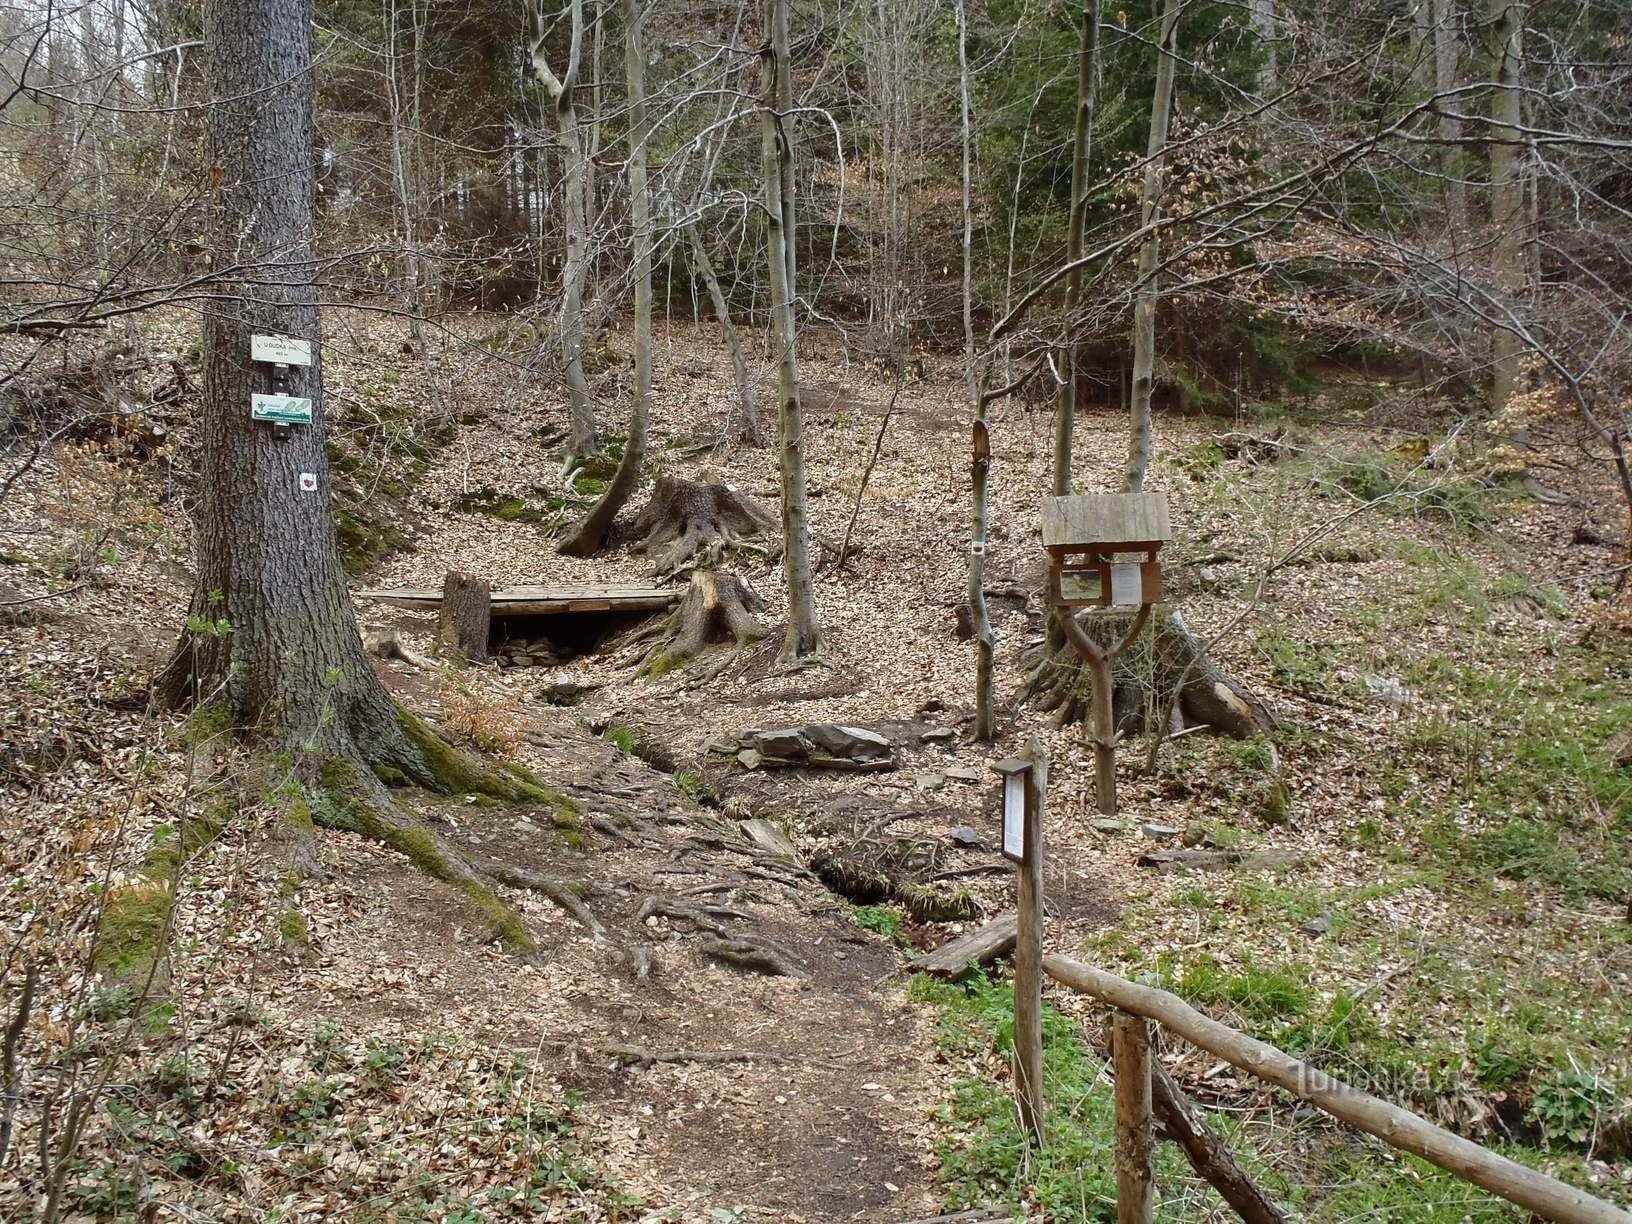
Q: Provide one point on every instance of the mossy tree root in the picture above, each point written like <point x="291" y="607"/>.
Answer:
<point x="1163" y="661"/>
<point x="718" y="607"/>
<point x="349" y="792"/>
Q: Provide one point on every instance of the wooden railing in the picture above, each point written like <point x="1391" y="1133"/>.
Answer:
<point x="1138" y="1076"/>
<point x="1144" y="1091"/>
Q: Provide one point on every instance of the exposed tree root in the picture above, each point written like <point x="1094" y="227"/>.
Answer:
<point x="753" y="954"/>
<point x="566" y="894"/>
<point x="1162" y="659"/>
<point x="718" y="607"/>
<point x="685" y="524"/>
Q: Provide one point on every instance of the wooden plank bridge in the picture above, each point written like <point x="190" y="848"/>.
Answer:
<point x="542" y="600"/>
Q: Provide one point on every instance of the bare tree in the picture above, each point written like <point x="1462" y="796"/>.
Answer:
<point x="591" y="534"/>
<point x="1065" y="408"/>
<point x="776" y="119"/>
<point x="560" y="89"/>
<point x="1146" y="294"/>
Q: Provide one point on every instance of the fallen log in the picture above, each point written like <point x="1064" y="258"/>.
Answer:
<point x="978" y="947"/>
<point x="1208" y="1156"/>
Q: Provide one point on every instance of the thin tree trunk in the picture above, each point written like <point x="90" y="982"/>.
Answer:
<point x="591" y="534"/>
<point x="1146" y="294"/>
<point x="1450" y="129"/>
<point x="747" y="429"/>
<point x="1065" y="407"/>
<point x="985" y="640"/>
<point x="581" y="442"/>
<point x="1507" y="213"/>
<point x="776" y="122"/>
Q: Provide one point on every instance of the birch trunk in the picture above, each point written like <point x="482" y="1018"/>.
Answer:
<point x="1065" y="406"/>
<point x="592" y="532"/>
<point x="776" y="125"/>
<point x="1507" y="212"/>
<point x="1146" y="294"/>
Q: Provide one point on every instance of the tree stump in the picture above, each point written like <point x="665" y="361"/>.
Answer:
<point x="693" y="524"/>
<point x="464" y="620"/>
<point x="718" y="607"/>
<point x="1162" y="659"/>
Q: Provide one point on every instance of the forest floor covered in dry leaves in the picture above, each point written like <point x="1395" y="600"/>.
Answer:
<point x="1421" y="883"/>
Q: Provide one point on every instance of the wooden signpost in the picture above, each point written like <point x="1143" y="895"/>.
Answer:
<point x="1025" y="785"/>
<point x="1102" y="553"/>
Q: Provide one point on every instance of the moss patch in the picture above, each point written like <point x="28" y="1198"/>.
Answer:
<point x="132" y="926"/>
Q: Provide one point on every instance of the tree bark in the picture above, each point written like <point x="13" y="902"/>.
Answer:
<point x="581" y="441"/>
<point x="1450" y="129"/>
<point x="1135" y="1176"/>
<point x="1507" y="212"/>
<point x="1146" y="294"/>
<point x="1065" y="406"/>
<point x="776" y="122"/>
<point x="590" y="535"/>
<point x="465" y="618"/>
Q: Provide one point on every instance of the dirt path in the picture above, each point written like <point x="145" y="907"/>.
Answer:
<point x="815" y="1108"/>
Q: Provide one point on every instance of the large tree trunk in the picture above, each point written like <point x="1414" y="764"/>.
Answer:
<point x="271" y="645"/>
<point x="1145" y="292"/>
<point x="591" y="534"/>
<point x="1065" y="406"/>
<point x="776" y="119"/>
<point x="270" y="627"/>
<point x="560" y="89"/>
<point x="1507" y="212"/>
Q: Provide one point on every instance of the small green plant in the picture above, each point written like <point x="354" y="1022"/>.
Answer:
<point x="622" y="738"/>
<point x="690" y="784"/>
<point x="879" y="919"/>
<point x="1568" y="1106"/>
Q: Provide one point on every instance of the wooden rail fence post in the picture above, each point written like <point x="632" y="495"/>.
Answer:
<point x="1130" y="1063"/>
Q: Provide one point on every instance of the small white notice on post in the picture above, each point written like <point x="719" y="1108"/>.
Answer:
<point x="281" y="409"/>
<point x="1127" y="585"/>
<point x="281" y="350"/>
<point x="1014" y="816"/>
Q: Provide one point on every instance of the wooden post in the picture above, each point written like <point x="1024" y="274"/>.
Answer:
<point x="1130" y="1061"/>
<point x="1028" y="953"/>
<point x="1099" y="666"/>
<point x="464" y="619"/>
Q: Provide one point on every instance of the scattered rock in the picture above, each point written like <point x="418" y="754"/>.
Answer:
<point x="965" y="836"/>
<point x="749" y="759"/>
<point x="931" y="781"/>
<point x="1105" y="824"/>
<point x="939" y="735"/>
<point x="964" y="773"/>
<point x="1160" y="832"/>
<point x="1387" y="690"/>
<point x="567" y="692"/>
<point x="767" y="836"/>
<point x="822" y="745"/>
<point x="1320" y="924"/>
